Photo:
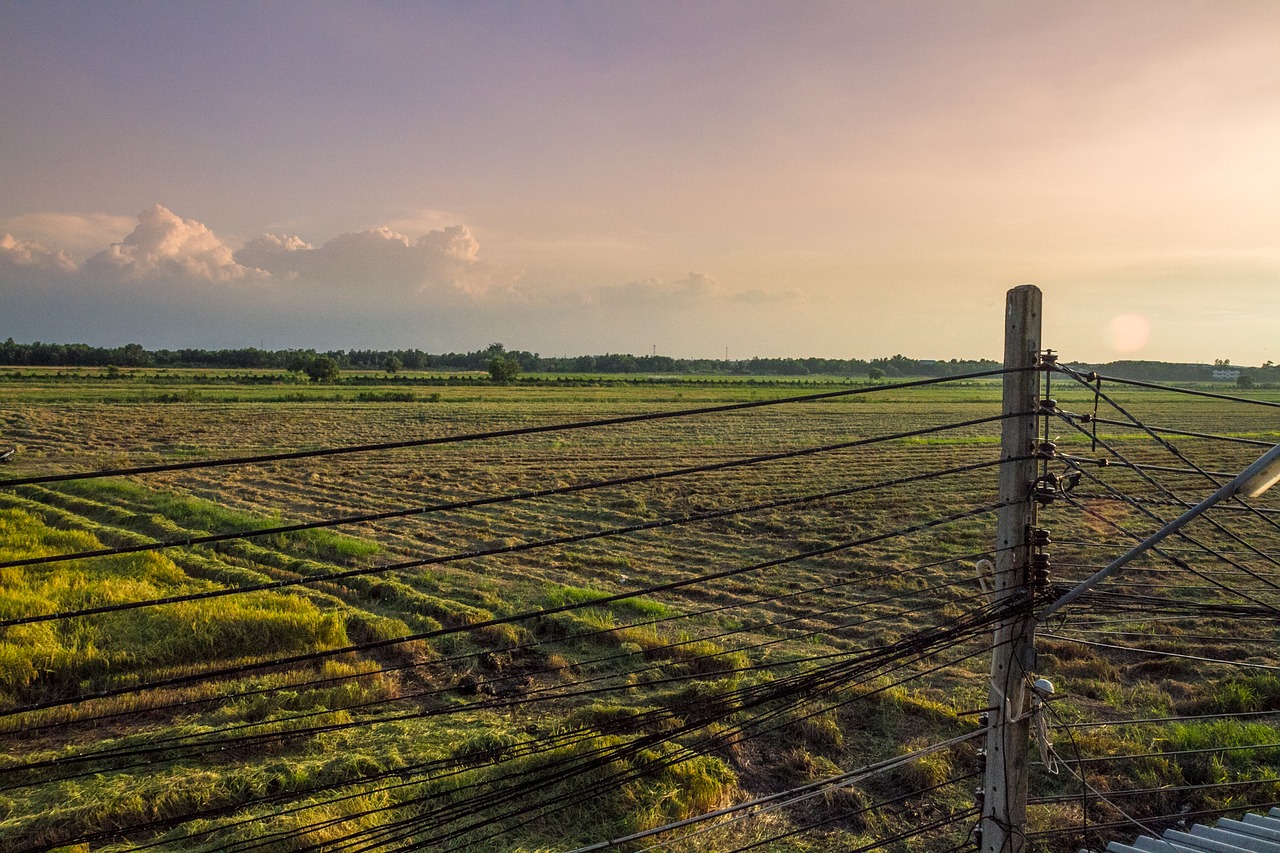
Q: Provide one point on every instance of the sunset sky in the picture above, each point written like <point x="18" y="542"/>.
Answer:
<point x="843" y="179"/>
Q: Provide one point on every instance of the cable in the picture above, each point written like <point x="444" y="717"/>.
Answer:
<point x="1166" y="789"/>
<point x="811" y="826"/>
<point x="864" y="667"/>
<point x="1172" y="449"/>
<point x="448" y="558"/>
<point x="210" y="739"/>
<point x="1153" y="720"/>
<point x="941" y="637"/>
<point x="789" y="797"/>
<point x="865" y="695"/>
<point x="1193" y="392"/>
<point x="1255" y="442"/>
<point x="521" y="647"/>
<point x="504" y="498"/>
<point x="516" y="496"/>
<point x="483" y="436"/>
<point x="502" y="620"/>
<point x="1173" y="818"/>
<point x="1175" y="560"/>
<point x="1198" y="658"/>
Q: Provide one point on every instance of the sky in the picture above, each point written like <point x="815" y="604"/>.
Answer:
<point x="836" y="179"/>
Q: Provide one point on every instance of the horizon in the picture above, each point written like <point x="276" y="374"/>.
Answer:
<point x="845" y="178"/>
<point x="1226" y="363"/>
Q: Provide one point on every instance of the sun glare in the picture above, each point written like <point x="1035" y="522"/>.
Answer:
<point x="1128" y="333"/>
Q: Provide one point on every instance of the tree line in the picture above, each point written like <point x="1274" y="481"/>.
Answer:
<point x="510" y="362"/>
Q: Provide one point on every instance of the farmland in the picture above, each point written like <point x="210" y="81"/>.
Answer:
<point x="376" y="684"/>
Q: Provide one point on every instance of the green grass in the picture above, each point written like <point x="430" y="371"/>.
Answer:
<point x="739" y="632"/>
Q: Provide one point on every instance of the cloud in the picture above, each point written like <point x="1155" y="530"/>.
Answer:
<point x="35" y="257"/>
<point x="443" y="262"/>
<point x="166" y="246"/>
<point x="79" y="235"/>
<point x="172" y="281"/>
<point x="695" y="286"/>
<point x="165" y="255"/>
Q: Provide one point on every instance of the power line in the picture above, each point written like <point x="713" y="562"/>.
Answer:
<point x="807" y="689"/>
<point x="187" y="702"/>
<point x="501" y="620"/>
<point x="1157" y="653"/>
<point x="519" y="496"/>
<point x="1191" y="392"/>
<point x="483" y="436"/>
<point x="211" y="742"/>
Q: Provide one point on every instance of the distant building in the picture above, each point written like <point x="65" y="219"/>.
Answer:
<point x="1226" y="375"/>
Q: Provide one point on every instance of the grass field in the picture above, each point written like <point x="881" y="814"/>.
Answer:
<point x="660" y="702"/>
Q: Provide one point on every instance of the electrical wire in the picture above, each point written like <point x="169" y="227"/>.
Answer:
<point x="403" y="565"/>
<point x="487" y="435"/>
<point x="501" y="620"/>
<point x="519" y="496"/>
<point x="165" y="748"/>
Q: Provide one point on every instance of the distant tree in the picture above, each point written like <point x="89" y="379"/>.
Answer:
<point x="297" y="361"/>
<point x="392" y="364"/>
<point x="322" y="368"/>
<point x="1244" y="380"/>
<point x="875" y="373"/>
<point x="503" y="368"/>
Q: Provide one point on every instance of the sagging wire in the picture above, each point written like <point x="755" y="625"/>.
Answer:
<point x="1181" y="534"/>
<point x="484" y="436"/>
<point x="505" y="620"/>
<point x="1177" y="453"/>
<point x="189" y="702"/>
<point x="769" y="695"/>
<point x="480" y="502"/>
<point x="213" y="743"/>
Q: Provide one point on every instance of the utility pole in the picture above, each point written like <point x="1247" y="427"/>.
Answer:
<point x="1004" y="802"/>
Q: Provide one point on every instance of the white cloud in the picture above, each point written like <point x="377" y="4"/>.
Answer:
<point x="443" y="262"/>
<point x="166" y="246"/>
<point x="421" y="221"/>
<point x="36" y="257"/>
<point x="79" y="235"/>
<point x="165" y="253"/>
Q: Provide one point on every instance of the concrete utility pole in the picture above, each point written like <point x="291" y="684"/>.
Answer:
<point x="1004" y="806"/>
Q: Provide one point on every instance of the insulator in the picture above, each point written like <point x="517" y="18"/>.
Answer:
<point x="1046" y="450"/>
<point x="979" y="796"/>
<point x="1048" y="358"/>
<point x="1044" y="493"/>
<point x="1048" y="406"/>
<point x="1040" y="567"/>
<point x="984" y="720"/>
<point x="1040" y="538"/>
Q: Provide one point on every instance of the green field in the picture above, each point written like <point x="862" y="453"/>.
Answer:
<point x="659" y="704"/>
